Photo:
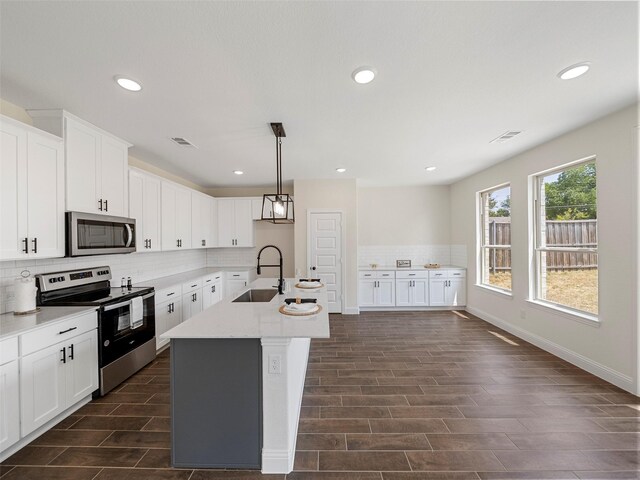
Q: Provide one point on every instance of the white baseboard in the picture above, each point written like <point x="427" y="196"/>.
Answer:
<point x="351" y="311"/>
<point x="277" y="461"/>
<point x="606" y="373"/>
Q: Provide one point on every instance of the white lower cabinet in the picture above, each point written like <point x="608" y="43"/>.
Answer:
<point x="377" y="289"/>
<point x="56" y="377"/>
<point x="235" y="282"/>
<point x="412" y="289"/>
<point x="168" y="315"/>
<point x="211" y="294"/>
<point x="9" y="394"/>
<point x="447" y="288"/>
<point x="191" y="304"/>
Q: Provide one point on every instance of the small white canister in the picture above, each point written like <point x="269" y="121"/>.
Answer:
<point x="25" y="293"/>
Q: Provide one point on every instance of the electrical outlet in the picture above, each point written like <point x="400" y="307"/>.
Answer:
<point x="275" y="364"/>
<point x="523" y="314"/>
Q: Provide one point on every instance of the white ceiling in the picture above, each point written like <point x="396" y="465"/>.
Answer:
<point x="451" y="77"/>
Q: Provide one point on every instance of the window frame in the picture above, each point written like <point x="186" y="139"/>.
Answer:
<point x="481" y="246"/>
<point x="536" y="248"/>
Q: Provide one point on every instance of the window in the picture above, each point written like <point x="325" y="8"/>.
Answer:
<point x="566" y="242"/>
<point x="495" y="237"/>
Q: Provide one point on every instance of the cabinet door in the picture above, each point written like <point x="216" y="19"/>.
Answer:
<point x="234" y="286"/>
<point x="244" y="223"/>
<point x="386" y="290"/>
<point x="42" y="387"/>
<point x="183" y="220"/>
<point x="456" y="292"/>
<point x="177" y="314"/>
<point x="438" y="292"/>
<point x="420" y="291"/>
<point x="82" y="154"/>
<point x="197" y="230"/>
<point x="403" y="292"/>
<point x="45" y="171"/>
<point x="13" y="191"/>
<point x="226" y="223"/>
<point x="81" y="366"/>
<point x="151" y="213"/>
<point x="163" y="312"/>
<point x="366" y="292"/>
<point x="9" y="405"/>
<point x="207" y="296"/>
<point x="113" y="176"/>
<point x="136" y="208"/>
<point x="196" y="302"/>
<point x="217" y="292"/>
<point x="168" y="210"/>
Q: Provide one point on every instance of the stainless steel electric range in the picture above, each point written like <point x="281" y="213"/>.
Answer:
<point x="126" y="319"/>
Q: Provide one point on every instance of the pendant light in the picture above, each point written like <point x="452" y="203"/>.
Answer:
<point x="278" y="207"/>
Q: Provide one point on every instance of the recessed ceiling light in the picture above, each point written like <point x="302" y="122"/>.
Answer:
<point x="127" y="83"/>
<point x="341" y="170"/>
<point x="430" y="169"/>
<point x="363" y="75"/>
<point x="574" y="71"/>
<point x="238" y="172"/>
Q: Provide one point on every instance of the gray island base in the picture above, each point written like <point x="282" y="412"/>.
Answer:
<point x="237" y="379"/>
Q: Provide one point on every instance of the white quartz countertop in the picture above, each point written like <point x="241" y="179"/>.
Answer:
<point x="413" y="267"/>
<point x="226" y="319"/>
<point x="171" y="280"/>
<point x="12" y="324"/>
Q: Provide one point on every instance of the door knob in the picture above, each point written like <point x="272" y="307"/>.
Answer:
<point x="313" y="268"/>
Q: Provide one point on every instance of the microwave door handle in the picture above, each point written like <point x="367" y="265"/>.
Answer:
<point x="129" y="235"/>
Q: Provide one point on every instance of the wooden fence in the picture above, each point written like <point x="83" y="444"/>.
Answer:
<point x="560" y="233"/>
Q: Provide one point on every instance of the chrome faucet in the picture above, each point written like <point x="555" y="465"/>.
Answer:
<point x="281" y="278"/>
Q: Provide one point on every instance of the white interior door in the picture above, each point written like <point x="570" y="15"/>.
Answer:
<point x="325" y="255"/>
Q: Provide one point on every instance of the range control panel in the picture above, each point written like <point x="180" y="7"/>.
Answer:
<point x="58" y="280"/>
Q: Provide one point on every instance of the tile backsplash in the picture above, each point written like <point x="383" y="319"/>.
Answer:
<point x="386" y="255"/>
<point x="229" y="257"/>
<point x="138" y="266"/>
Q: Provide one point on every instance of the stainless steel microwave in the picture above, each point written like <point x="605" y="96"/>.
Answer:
<point x="91" y="234"/>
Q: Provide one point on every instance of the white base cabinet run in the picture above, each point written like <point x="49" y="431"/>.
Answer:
<point x="447" y="288"/>
<point x="412" y="289"/>
<point x="377" y="289"/>
<point x="9" y="393"/>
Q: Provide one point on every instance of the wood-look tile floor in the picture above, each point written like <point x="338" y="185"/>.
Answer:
<point x="390" y="396"/>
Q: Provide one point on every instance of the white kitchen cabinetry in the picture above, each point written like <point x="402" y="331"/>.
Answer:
<point x="57" y="375"/>
<point x="191" y="304"/>
<point x="377" y="289"/>
<point x="211" y="290"/>
<point x="9" y="393"/>
<point x="235" y="222"/>
<point x="202" y="217"/>
<point x="31" y="192"/>
<point x="168" y="315"/>
<point x="144" y="206"/>
<point x="412" y="289"/>
<point x="235" y="282"/>
<point x="447" y="287"/>
<point x="176" y="217"/>
<point x="96" y="163"/>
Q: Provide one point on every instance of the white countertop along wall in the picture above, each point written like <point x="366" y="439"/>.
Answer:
<point x="400" y="269"/>
<point x="12" y="324"/>
<point x="226" y="319"/>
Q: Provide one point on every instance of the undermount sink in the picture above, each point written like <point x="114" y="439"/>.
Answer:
<point x="257" y="295"/>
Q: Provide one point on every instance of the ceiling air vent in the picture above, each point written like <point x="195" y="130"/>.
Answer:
<point x="508" y="135"/>
<point x="183" y="142"/>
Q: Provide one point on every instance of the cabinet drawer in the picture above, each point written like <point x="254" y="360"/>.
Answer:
<point x="377" y="274"/>
<point x="237" y="276"/>
<point x="438" y="274"/>
<point x="8" y="350"/>
<point x="211" y="279"/>
<point x="194" y="284"/>
<point x="457" y="273"/>
<point x="412" y="274"/>
<point x="168" y="294"/>
<point x="58" y="332"/>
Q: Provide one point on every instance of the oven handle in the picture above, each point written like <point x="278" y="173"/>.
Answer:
<point x="128" y="302"/>
<point x="129" y="235"/>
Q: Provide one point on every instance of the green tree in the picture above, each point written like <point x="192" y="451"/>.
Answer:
<point x="572" y="196"/>
<point x="503" y="211"/>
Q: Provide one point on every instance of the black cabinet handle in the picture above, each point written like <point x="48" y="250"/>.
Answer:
<point x="177" y="243"/>
<point x="26" y="245"/>
<point x="64" y="355"/>
<point x="35" y="245"/>
<point x="67" y="330"/>
<point x="71" y="352"/>
<point x="169" y="294"/>
<point x="204" y="243"/>
<point x="106" y="205"/>
<point x="149" y="243"/>
<point x="100" y="202"/>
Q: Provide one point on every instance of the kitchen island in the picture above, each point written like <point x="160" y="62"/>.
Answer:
<point x="237" y="378"/>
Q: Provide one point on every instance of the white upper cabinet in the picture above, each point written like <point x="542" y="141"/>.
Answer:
<point x="144" y="207"/>
<point x="235" y="222"/>
<point x="31" y="192"/>
<point x="176" y="217"/>
<point x="96" y="164"/>
<point x="202" y="217"/>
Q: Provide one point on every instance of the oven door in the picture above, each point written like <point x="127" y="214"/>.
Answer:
<point x="91" y="234"/>
<point x="118" y="335"/>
